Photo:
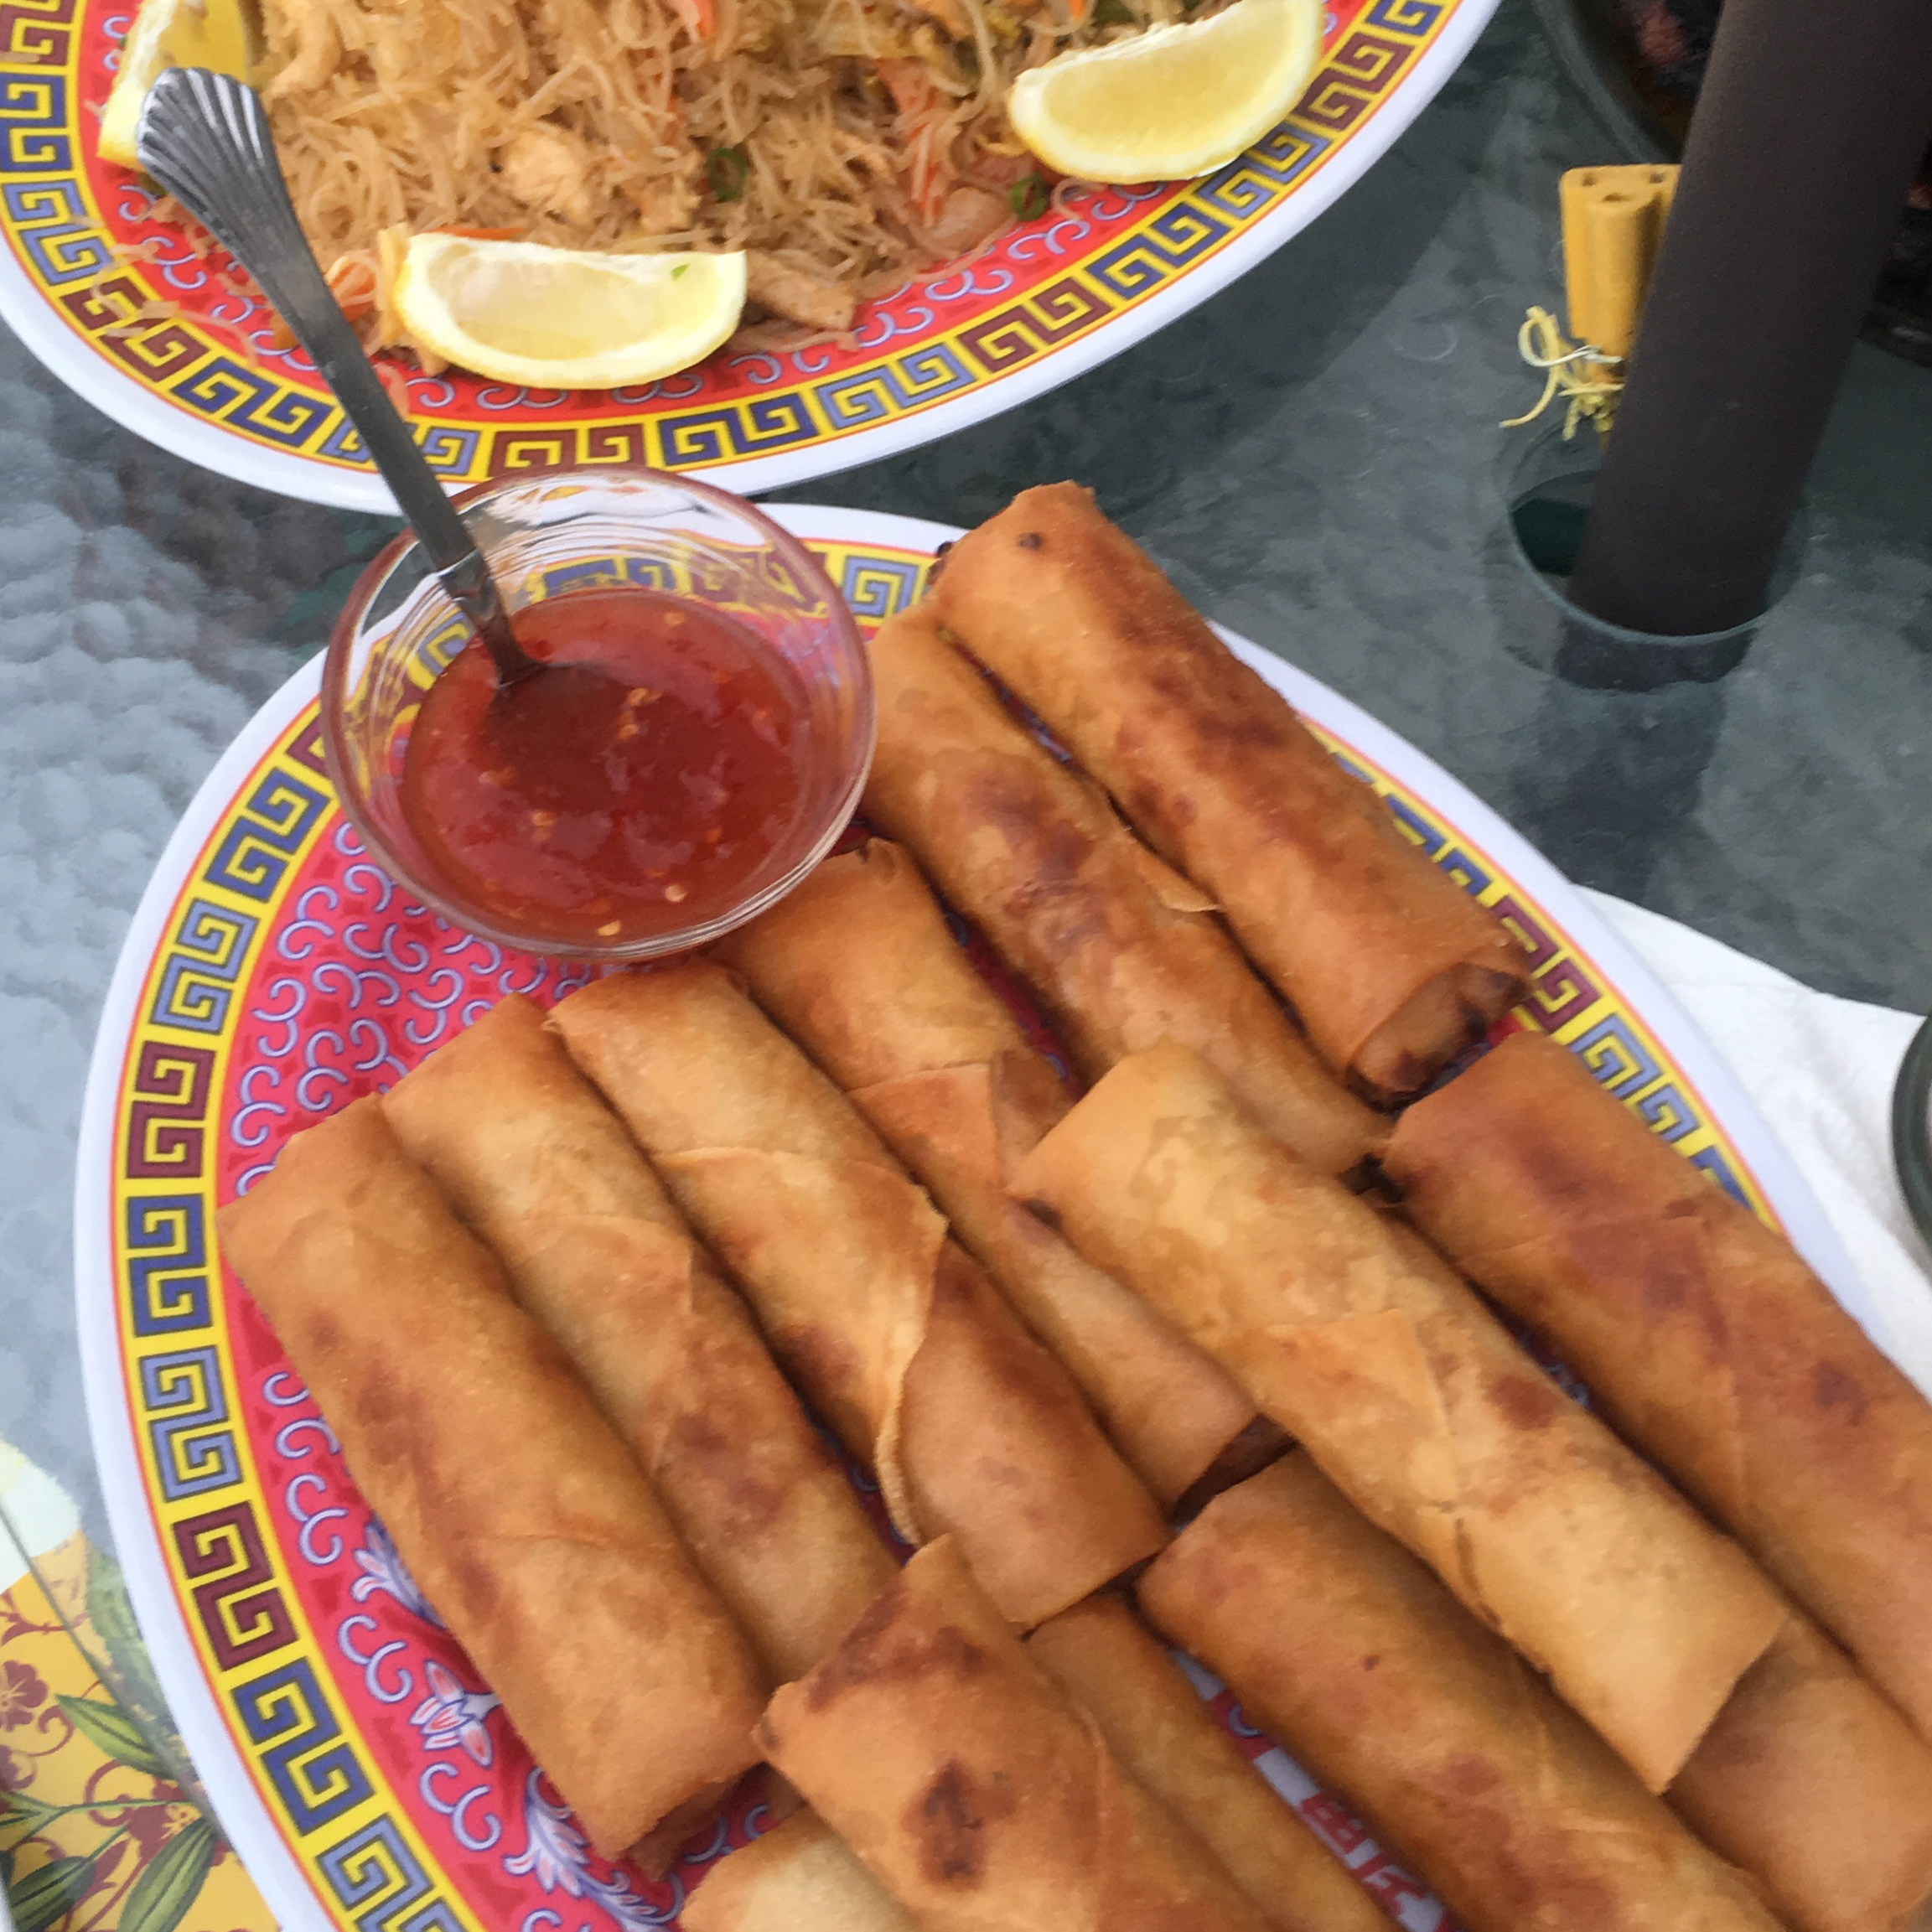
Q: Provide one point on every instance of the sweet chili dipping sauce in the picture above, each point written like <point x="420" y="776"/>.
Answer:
<point x="598" y="809"/>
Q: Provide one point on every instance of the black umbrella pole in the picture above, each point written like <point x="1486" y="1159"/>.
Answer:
<point x="1813" y="117"/>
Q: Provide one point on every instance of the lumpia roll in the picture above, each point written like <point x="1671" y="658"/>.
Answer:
<point x="1392" y="967"/>
<point x="892" y="1332"/>
<point x="1817" y="1787"/>
<point x="980" y="1797"/>
<point x="1369" y="1350"/>
<point x="800" y="1877"/>
<point x="1120" y="950"/>
<point x="858" y="966"/>
<point x="533" y="1160"/>
<point x="1159" y="1731"/>
<point x="509" y="1496"/>
<point x="1343" y="1646"/>
<point x="1702" y="1336"/>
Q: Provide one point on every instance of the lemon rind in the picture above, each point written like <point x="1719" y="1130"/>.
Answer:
<point x="446" y="338"/>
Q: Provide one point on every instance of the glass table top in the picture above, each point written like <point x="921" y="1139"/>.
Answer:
<point x="1314" y="455"/>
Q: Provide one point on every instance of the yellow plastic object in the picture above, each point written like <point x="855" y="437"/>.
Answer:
<point x="1173" y="102"/>
<point x="167" y="34"/>
<point x="562" y="318"/>
<point x="1613" y="221"/>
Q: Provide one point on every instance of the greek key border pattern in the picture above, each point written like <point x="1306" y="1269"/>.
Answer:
<point x="341" y="1818"/>
<point x="1569" y="999"/>
<point x="55" y="223"/>
<point x="268" y="1671"/>
<point x="345" y="1823"/>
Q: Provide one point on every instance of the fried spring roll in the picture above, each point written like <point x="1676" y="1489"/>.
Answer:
<point x="890" y="1329"/>
<point x="858" y="966"/>
<point x="1336" y="1640"/>
<point x="1367" y="1348"/>
<point x="1814" y="1784"/>
<point x="537" y="1163"/>
<point x="514" y="1503"/>
<point x="1121" y="951"/>
<point x="976" y="1793"/>
<point x="1160" y="1732"/>
<point x="1702" y="1335"/>
<point x="800" y="1877"/>
<point x="1392" y="967"/>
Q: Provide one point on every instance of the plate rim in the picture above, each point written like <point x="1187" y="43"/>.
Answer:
<point x="93" y="375"/>
<point x="287" y="1884"/>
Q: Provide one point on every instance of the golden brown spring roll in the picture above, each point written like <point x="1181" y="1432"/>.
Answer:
<point x="1367" y="1348"/>
<point x="1393" y="968"/>
<point x="890" y="1329"/>
<point x="513" y="1503"/>
<point x="537" y="1163"/>
<point x="1817" y="1787"/>
<point x="1337" y="1641"/>
<point x="1121" y="951"/>
<point x="800" y="1877"/>
<point x="858" y="966"/>
<point x="976" y="1793"/>
<point x="1702" y="1335"/>
<point x="1160" y="1732"/>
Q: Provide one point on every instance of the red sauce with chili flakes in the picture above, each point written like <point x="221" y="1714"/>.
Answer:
<point x="595" y="809"/>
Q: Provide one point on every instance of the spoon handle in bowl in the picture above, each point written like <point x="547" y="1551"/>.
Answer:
<point x="205" y="138"/>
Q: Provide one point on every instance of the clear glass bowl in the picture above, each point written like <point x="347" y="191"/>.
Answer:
<point x="597" y="527"/>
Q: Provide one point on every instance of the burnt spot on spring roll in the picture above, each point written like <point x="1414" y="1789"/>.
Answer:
<point x="1392" y="967"/>
<point x="508" y="1494"/>
<point x="982" y="1798"/>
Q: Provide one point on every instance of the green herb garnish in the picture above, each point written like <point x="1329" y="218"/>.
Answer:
<point x="1027" y="197"/>
<point x="727" y="169"/>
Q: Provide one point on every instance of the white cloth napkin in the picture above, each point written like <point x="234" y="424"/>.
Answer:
<point x="1821" y="1070"/>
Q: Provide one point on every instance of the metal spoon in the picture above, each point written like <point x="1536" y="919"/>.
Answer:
<point x="204" y="138"/>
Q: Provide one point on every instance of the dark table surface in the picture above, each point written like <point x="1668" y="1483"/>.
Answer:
<point x="1314" y="454"/>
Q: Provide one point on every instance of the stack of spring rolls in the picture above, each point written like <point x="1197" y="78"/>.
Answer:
<point x="1569" y="1687"/>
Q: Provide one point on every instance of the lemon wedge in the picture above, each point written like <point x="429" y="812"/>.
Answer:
<point x="169" y="33"/>
<point x="564" y="317"/>
<point x="1174" y="101"/>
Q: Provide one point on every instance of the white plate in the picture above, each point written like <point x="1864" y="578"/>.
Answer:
<point x="194" y="1423"/>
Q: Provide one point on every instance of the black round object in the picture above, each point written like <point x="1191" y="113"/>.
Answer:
<point x="1912" y="1128"/>
<point x="1639" y="64"/>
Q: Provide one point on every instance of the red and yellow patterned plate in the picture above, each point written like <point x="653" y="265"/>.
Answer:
<point x="273" y="973"/>
<point x="1058" y="295"/>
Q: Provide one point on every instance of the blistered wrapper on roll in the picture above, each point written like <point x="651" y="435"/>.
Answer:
<point x="859" y="966"/>
<point x="1341" y="1644"/>
<point x="515" y="1506"/>
<point x="1816" y="1786"/>
<point x="1160" y="1730"/>
<point x="1367" y="1347"/>
<point x="1702" y="1335"/>
<point x="1392" y="967"/>
<point x="891" y="1331"/>
<point x="1120" y="949"/>
<point x="976" y="1792"/>
<point x="537" y="1163"/>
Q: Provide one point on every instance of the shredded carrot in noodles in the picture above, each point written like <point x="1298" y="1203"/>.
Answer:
<point x="847" y="144"/>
